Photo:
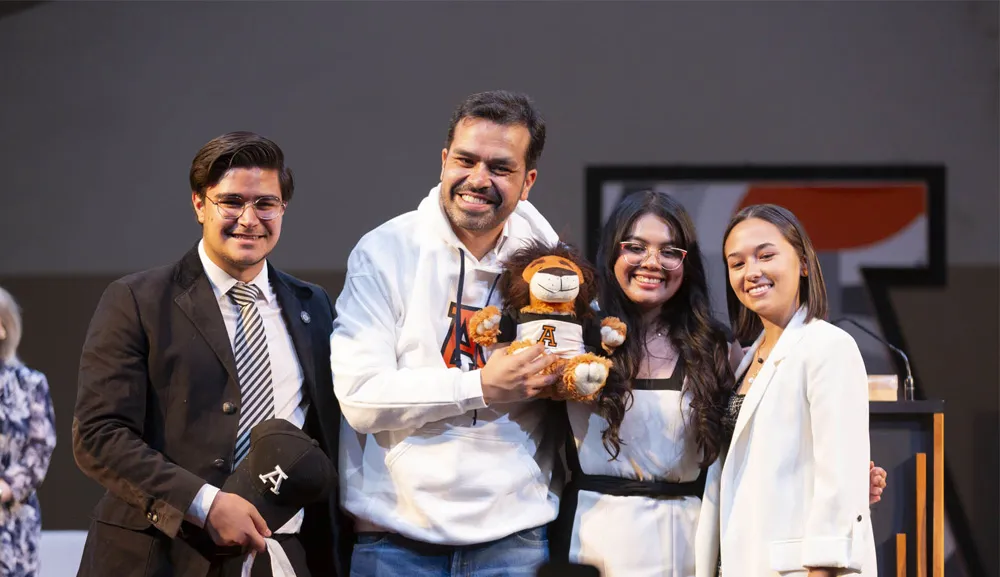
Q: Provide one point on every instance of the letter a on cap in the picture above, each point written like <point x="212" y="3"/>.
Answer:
<point x="275" y="478"/>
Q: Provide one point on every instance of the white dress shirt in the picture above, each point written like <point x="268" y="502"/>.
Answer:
<point x="286" y="373"/>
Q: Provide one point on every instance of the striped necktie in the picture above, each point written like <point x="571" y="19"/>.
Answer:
<point x="253" y="364"/>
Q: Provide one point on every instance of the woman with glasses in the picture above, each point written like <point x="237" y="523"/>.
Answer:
<point x="642" y="452"/>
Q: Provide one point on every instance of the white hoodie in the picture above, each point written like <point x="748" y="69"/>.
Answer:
<point x="420" y="452"/>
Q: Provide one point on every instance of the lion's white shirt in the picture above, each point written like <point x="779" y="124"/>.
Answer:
<point x="561" y="337"/>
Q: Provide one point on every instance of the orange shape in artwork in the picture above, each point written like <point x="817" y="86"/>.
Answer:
<point x="844" y="217"/>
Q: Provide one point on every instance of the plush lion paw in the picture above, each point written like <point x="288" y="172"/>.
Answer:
<point x="484" y="326"/>
<point x="590" y="377"/>
<point x="583" y="378"/>
<point x="517" y="347"/>
<point x="612" y="333"/>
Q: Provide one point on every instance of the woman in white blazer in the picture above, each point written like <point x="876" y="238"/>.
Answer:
<point x="794" y="487"/>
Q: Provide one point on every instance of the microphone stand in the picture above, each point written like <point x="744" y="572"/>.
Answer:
<point x="908" y="381"/>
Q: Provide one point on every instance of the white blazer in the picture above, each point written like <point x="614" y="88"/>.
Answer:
<point x="793" y="489"/>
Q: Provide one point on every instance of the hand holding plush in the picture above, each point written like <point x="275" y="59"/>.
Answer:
<point x="547" y="291"/>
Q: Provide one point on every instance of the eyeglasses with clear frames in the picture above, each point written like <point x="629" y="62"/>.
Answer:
<point x="233" y="207"/>
<point x="636" y="253"/>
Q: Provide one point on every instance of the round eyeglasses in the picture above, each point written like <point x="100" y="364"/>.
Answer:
<point x="636" y="253"/>
<point x="233" y="207"/>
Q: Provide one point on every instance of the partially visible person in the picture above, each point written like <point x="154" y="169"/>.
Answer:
<point x="795" y="485"/>
<point x="27" y="439"/>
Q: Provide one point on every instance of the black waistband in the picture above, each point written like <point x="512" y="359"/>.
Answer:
<point x="561" y="535"/>
<point x="621" y="487"/>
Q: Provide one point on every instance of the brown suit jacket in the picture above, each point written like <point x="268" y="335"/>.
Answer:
<point x="153" y="420"/>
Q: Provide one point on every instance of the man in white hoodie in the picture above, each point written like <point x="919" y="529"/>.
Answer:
<point x="447" y="454"/>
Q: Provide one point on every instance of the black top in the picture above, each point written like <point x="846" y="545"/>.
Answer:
<point x="672" y="383"/>
<point x="732" y="412"/>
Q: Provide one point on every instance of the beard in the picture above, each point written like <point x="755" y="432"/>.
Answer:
<point x="241" y="259"/>
<point x="494" y="217"/>
<point x="245" y="262"/>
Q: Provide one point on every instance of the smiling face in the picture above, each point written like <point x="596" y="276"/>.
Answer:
<point x="647" y="284"/>
<point x="553" y="279"/>
<point x="484" y="175"/>
<point x="239" y="245"/>
<point x="765" y="270"/>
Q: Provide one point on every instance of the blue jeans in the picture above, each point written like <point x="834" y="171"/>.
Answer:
<point x="390" y="555"/>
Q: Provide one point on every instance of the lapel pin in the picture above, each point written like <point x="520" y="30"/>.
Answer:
<point x="305" y="317"/>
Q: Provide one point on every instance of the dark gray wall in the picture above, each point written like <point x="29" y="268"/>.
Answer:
<point x="104" y="104"/>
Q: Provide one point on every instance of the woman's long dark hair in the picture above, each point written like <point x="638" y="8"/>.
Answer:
<point x="701" y="340"/>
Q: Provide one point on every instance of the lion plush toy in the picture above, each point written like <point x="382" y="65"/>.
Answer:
<point x="547" y="291"/>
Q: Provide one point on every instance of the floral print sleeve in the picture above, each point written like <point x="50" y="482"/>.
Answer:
<point x="27" y="439"/>
<point x="35" y="419"/>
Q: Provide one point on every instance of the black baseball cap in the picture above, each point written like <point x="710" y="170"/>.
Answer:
<point x="284" y="471"/>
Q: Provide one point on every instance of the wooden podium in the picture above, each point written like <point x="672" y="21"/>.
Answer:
<point x="907" y="440"/>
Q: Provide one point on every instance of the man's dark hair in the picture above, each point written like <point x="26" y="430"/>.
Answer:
<point x="238" y="150"/>
<point x="504" y="108"/>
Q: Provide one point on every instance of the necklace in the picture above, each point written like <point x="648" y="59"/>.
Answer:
<point x="760" y="362"/>
<point x="656" y="333"/>
<point x="670" y="353"/>
<point x="666" y="358"/>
